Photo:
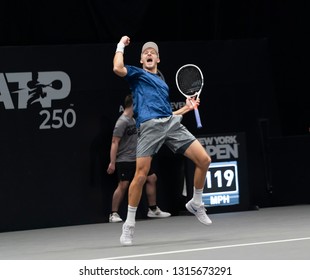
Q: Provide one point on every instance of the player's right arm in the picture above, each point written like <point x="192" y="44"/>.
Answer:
<point x="118" y="62"/>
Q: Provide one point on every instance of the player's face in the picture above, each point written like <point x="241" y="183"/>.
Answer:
<point x="149" y="59"/>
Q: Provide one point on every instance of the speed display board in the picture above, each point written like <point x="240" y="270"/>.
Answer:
<point x="226" y="179"/>
<point x="222" y="184"/>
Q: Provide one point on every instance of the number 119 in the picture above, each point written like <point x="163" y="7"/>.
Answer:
<point x="227" y="176"/>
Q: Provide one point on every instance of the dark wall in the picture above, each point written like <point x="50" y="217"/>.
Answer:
<point x="252" y="54"/>
<point x="283" y="23"/>
<point x="289" y="161"/>
<point x="54" y="154"/>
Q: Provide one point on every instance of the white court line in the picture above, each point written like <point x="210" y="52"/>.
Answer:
<point x="208" y="248"/>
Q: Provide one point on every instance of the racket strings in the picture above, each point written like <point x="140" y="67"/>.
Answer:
<point x="189" y="80"/>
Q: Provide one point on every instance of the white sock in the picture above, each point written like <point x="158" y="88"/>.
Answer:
<point x="197" y="196"/>
<point x="131" y="215"/>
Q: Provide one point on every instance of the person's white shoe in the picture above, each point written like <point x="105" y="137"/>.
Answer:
<point x="127" y="235"/>
<point x="199" y="211"/>
<point x="158" y="213"/>
<point x="115" y="218"/>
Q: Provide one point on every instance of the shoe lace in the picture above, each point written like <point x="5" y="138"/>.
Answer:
<point x="201" y="209"/>
<point x="128" y="231"/>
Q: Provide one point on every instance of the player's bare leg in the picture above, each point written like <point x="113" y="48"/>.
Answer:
<point x="134" y="195"/>
<point x="202" y="161"/>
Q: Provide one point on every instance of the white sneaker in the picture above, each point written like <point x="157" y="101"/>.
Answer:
<point x="199" y="211"/>
<point x="157" y="213"/>
<point x="115" y="218"/>
<point x="127" y="235"/>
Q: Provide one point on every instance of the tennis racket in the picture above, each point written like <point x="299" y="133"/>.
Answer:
<point x="189" y="80"/>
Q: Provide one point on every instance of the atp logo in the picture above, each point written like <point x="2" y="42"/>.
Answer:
<point x="42" y="87"/>
<point x="24" y="89"/>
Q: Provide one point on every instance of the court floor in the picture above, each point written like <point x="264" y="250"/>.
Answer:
<point x="276" y="233"/>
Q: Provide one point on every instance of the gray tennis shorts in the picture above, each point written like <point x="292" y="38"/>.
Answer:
<point x="169" y="131"/>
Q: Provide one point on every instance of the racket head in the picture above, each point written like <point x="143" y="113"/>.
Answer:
<point x="189" y="80"/>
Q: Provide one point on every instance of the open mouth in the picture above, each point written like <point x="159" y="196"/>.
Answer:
<point x="149" y="60"/>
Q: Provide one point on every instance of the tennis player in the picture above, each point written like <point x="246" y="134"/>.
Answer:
<point x="157" y="125"/>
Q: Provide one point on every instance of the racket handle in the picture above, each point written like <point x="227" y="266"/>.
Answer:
<point x="197" y="116"/>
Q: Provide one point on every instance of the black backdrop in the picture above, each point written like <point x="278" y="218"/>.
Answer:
<point x="253" y="54"/>
<point x="57" y="175"/>
<point x="283" y="23"/>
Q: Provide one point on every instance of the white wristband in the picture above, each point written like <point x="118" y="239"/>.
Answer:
<point x="120" y="47"/>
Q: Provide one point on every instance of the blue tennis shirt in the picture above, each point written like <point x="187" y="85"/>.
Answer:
<point x="150" y="95"/>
